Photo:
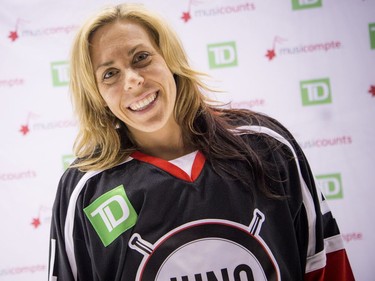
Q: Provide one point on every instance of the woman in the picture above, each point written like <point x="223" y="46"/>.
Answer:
<point x="167" y="186"/>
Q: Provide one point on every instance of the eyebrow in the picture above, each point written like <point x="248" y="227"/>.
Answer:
<point x="130" y="53"/>
<point x="104" y="64"/>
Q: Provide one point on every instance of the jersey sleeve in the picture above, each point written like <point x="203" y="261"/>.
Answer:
<point x="330" y="260"/>
<point x="59" y="266"/>
<point x="326" y="257"/>
<point x="322" y="248"/>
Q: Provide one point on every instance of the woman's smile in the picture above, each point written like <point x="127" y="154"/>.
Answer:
<point x="134" y="79"/>
<point x="144" y="103"/>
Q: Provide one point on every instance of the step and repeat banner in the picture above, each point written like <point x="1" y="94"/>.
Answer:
<point x="308" y="63"/>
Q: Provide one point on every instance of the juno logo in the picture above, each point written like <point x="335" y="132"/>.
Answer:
<point x="222" y="54"/>
<point x="306" y="4"/>
<point x="315" y="92"/>
<point x="60" y="73"/>
<point x="331" y="185"/>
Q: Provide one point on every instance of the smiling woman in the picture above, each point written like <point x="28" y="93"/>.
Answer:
<point x="137" y="85"/>
<point x="169" y="186"/>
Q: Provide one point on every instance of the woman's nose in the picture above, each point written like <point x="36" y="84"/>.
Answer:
<point x="133" y="80"/>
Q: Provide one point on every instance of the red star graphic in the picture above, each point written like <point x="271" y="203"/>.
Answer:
<point x="36" y="222"/>
<point x="271" y="54"/>
<point x="24" y="129"/>
<point x="372" y="90"/>
<point x="186" y="16"/>
<point x="13" y="35"/>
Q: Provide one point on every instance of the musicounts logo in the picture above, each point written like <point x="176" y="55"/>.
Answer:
<point x="352" y="237"/>
<point x="42" y="126"/>
<point x="299" y="49"/>
<point x="11" y="82"/>
<point x="18" y="175"/>
<point x="42" y="218"/>
<point x="18" y="270"/>
<point x="248" y="104"/>
<point x="13" y="34"/>
<point x="20" y="31"/>
<point x="326" y="142"/>
<point x="271" y="53"/>
<point x="25" y="128"/>
<point x="372" y="91"/>
<point x="219" y="10"/>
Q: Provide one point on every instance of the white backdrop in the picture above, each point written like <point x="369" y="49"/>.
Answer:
<point x="308" y="63"/>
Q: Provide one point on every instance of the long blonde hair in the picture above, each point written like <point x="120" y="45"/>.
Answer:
<point x="104" y="141"/>
<point x="98" y="143"/>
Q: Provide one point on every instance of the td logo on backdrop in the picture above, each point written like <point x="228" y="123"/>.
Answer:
<point x="371" y="28"/>
<point x="67" y="160"/>
<point x="222" y="54"/>
<point x="330" y="185"/>
<point x="306" y="4"/>
<point x="316" y="92"/>
<point x="60" y="73"/>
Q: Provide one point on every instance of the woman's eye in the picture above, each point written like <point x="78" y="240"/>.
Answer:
<point x="109" y="74"/>
<point x="140" y="57"/>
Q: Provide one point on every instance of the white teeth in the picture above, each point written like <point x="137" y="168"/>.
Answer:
<point x="142" y="104"/>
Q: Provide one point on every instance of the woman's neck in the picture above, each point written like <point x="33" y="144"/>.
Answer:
<point x="166" y="145"/>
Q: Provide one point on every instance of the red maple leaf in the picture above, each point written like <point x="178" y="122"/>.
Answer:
<point x="372" y="90"/>
<point x="13" y="35"/>
<point x="186" y="16"/>
<point x="36" y="222"/>
<point x="271" y="54"/>
<point x="24" y="129"/>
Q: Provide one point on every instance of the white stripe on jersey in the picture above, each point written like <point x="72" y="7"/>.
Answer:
<point x="324" y="208"/>
<point x="70" y="214"/>
<point x="69" y="222"/>
<point x="52" y="261"/>
<point x="318" y="261"/>
<point x="306" y="195"/>
<point x="334" y="243"/>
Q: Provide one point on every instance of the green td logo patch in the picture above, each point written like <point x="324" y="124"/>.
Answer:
<point x="371" y="28"/>
<point x="306" y="4"/>
<point x="60" y="73"/>
<point x="222" y="54"/>
<point x="330" y="185"/>
<point x="315" y="92"/>
<point x="111" y="214"/>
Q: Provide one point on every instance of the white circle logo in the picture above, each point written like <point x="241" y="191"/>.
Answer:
<point x="207" y="250"/>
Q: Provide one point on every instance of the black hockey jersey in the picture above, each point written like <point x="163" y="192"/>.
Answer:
<point x="150" y="219"/>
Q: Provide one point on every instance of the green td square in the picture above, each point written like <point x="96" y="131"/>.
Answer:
<point x="111" y="214"/>
<point x="314" y="92"/>
<point x="67" y="160"/>
<point x="306" y="4"/>
<point x="222" y="54"/>
<point x="331" y="185"/>
<point x="371" y="28"/>
<point x="60" y="73"/>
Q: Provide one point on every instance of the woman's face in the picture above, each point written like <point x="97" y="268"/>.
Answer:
<point x="133" y="78"/>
